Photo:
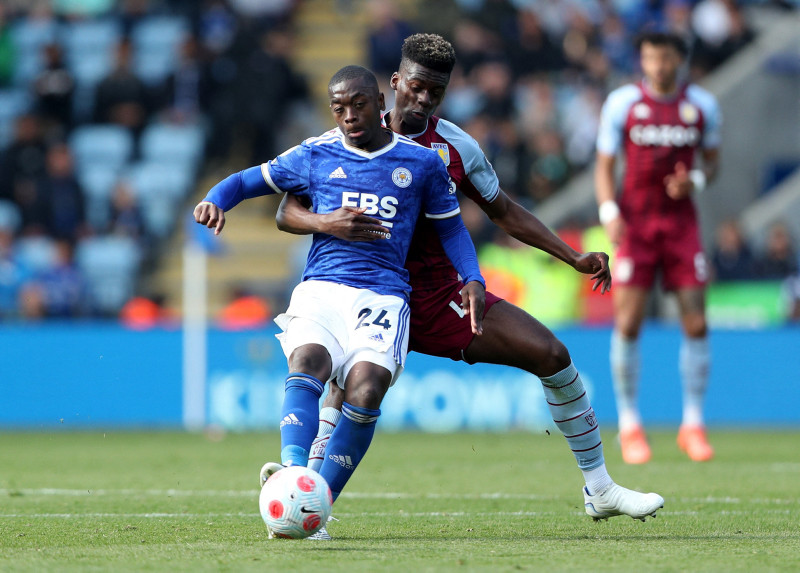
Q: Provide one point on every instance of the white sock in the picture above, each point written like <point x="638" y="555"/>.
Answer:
<point x="695" y="361"/>
<point x="328" y="418"/>
<point x="625" y="372"/>
<point x="597" y="479"/>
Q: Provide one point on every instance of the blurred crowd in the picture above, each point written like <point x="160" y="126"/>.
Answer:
<point x="531" y="76"/>
<point x="109" y="112"/>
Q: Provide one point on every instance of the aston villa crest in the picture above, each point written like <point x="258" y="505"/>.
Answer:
<point x="444" y="152"/>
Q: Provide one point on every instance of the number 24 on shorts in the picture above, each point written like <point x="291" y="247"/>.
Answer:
<point x="381" y="320"/>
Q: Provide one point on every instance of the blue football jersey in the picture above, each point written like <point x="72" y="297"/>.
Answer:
<point x="394" y="183"/>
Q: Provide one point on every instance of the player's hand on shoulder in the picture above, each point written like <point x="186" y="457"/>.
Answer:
<point x="595" y="264"/>
<point x="350" y="224"/>
<point x="473" y="301"/>
<point x="210" y="215"/>
<point x="678" y="184"/>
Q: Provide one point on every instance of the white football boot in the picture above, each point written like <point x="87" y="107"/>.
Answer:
<point x="323" y="534"/>
<point x="267" y="470"/>
<point x="617" y="500"/>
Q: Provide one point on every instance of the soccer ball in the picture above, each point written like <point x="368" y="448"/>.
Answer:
<point x="295" y="502"/>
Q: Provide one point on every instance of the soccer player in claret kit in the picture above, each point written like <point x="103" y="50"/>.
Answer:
<point x="348" y="319"/>
<point x="510" y="335"/>
<point x="659" y="124"/>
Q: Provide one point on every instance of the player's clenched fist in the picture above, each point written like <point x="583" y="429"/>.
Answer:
<point x="210" y="215"/>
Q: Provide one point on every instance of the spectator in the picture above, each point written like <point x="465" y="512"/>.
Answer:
<point x="185" y="93"/>
<point x="267" y="87"/>
<point x="121" y="97"/>
<point x="385" y="38"/>
<point x="126" y="218"/>
<point x="53" y="89"/>
<point x="245" y="311"/>
<point x="63" y="287"/>
<point x="63" y="194"/>
<point x="732" y="259"/>
<point x="779" y="260"/>
<point x="24" y="159"/>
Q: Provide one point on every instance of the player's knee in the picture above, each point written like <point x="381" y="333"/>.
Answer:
<point x="366" y="395"/>
<point x="311" y="359"/>
<point x="554" y="358"/>
<point x="695" y="326"/>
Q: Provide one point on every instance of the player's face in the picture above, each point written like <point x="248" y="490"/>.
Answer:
<point x="356" y="106"/>
<point x="660" y="66"/>
<point x="420" y="90"/>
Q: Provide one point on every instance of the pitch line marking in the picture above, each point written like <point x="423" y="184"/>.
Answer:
<point x="356" y="495"/>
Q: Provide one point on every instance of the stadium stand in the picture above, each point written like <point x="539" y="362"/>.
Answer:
<point x="167" y="95"/>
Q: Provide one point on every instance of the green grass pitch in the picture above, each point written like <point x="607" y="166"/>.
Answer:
<point x="121" y="501"/>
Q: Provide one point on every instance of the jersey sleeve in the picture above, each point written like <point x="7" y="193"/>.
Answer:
<point x="712" y="115"/>
<point x="440" y="200"/>
<point x="478" y="169"/>
<point x="290" y="171"/>
<point x="613" y="117"/>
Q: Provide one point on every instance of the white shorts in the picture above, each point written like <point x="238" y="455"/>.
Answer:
<point x="354" y="325"/>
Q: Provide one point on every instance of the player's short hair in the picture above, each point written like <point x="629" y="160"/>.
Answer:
<point x="429" y="50"/>
<point x="353" y="72"/>
<point x="662" y="39"/>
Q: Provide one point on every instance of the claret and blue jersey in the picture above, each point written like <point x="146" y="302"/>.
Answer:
<point x="394" y="183"/>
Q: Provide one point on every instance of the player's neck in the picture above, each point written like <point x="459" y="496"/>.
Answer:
<point x="395" y="123"/>
<point x="660" y="92"/>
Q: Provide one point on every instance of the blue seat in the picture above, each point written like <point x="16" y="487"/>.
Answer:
<point x="39" y="254"/>
<point x="97" y="181"/>
<point x="156" y="42"/>
<point x="13" y="103"/>
<point x="29" y="37"/>
<point x="90" y="47"/>
<point x="110" y="265"/>
<point x="10" y="217"/>
<point x="160" y="188"/>
<point x="173" y="143"/>
<point x="108" y="145"/>
<point x="153" y="180"/>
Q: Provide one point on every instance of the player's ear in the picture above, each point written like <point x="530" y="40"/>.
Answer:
<point x="381" y="101"/>
<point x="394" y="80"/>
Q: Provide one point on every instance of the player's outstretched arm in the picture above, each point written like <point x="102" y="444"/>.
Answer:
<point x="347" y="223"/>
<point x="228" y="193"/>
<point x="521" y="224"/>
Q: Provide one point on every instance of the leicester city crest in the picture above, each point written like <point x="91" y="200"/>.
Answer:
<point x="443" y="150"/>
<point x="401" y="177"/>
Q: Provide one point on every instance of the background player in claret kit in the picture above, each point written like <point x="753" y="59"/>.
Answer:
<point x="510" y="335"/>
<point x="659" y="124"/>
<point x="348" y="319"/>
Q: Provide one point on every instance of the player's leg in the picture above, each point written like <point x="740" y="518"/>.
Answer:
<point x="365" y="386"/>
<point x="309" y="368"/>
<point x="376" y="350"/>
<point x="630" y="303"/>
<point x="514" y="338"/>
<point x="694" y="362"/>
<point x="329" y="417"/>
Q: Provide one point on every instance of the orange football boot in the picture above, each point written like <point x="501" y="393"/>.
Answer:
<point x="635" y="449"/>
<point x="693" y="441"/>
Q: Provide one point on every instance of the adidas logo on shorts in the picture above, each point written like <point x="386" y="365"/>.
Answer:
<point x="290" y="419"/>
<point x="338" y="173"/>
<point x="343" y="461"/>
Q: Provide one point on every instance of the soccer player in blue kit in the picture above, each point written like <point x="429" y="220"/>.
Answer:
<point x="348" y="318"/>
